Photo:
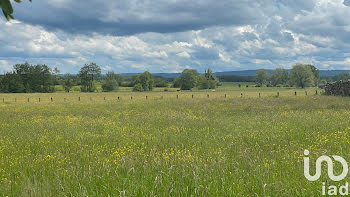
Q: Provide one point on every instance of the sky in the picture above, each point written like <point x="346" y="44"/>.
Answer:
<point x="168" y="36"/>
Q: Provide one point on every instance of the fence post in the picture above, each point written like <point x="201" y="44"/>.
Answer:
<point x="177" y="96"/>
<point x="295" y="93"/>
<point x="192" y="96"/>
<point x="207" y="95"/>
<point x="51" y="99"/>
<point x="3" y="100"/>
<point x="225" y="95"/>
<point x="259" y="95"/>
<point x="28" y="100"/>
<point x="39" y="99"/>
<point x="305" y="93"/>
<point x="278" y="94"/>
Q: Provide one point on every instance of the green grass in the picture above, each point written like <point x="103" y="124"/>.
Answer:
<point x="219" y="146"/>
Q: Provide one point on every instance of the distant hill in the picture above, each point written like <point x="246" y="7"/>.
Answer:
<point x="244" y="73"/>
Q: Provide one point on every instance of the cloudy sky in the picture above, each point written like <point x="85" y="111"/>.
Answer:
<point x="168" y="36"/>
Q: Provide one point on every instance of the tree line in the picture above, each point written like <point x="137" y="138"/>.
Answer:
<point x="26" y="78"/>
<point x="301" y="76"/>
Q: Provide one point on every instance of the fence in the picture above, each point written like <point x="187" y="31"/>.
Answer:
<point x="52" y="99"/>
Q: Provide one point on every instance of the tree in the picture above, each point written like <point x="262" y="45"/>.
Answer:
<point x="137" y="88"/>
<point x="87" y="74"/>
<point x="55" y="72"/>
<point x="188" y="79"/>
<point x="279" y="77"/>
<point x="316" y="74"/>
<point x="68" y="82"/>
<point x="110" y="83"/>
<point x="11" y="83"/>
<point x="7" y="8"/>
<point x="207" y="81"/>
<point x="261" y="77"/>
<point x="302" y="76"/>
<point x="146" y="80"/>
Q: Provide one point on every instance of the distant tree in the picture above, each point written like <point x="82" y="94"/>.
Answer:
<point x="146" y="80"/>
<point x="341" y="76"/>
<point x="176" y="83"/>
<point x="279" y="77"/>
<point x="87" y="74"/>
<point x="11" y="83"/>
<point x="37" y="78"/>
<point x="137" y="88"/>
<point x="110" y="83"/>
<point x="261" y="77"/>
<point x="160" y="82"/>
<point x="316" y="74"/>
<point x="302" y="76"/>
<point x="188" y="79"/>
<point x="55" y="72"/>
<point x="68" y="82"/>
<point x="7" y="8"/>
<point x="207" y="81"/>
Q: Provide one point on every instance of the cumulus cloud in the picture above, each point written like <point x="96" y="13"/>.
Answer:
<point x="168" y="36"/>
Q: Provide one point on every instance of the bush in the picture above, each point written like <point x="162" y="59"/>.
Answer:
<point x="110" y="85"/>
<point x="137" y="88"/>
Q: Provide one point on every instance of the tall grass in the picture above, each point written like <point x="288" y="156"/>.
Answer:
<point x="246" y="146"/>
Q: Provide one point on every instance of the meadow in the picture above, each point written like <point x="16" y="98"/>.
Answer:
<point x="168" y="146"/>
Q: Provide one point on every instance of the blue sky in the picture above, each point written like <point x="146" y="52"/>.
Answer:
<point x="169" y="36"/>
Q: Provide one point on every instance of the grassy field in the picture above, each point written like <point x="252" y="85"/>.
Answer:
<point x="214" y="146"/>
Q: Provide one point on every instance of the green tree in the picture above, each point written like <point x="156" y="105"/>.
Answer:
<point x="7" y="8"/>
<point x="261" y="77"/>
<point x="68" y="82"/>
<point x="110" y="83"/>
<point x="302" y="76"/>
<point x="146" y="80"/>
<point x="11" y="83"/>
<point x="207" y="81"/>
<point x="188" y="79"/>
<point x="137" y="88"/>
<point x="279" y="77"/>
<point x="87" y="74"/>
<point x="316" y="74"/>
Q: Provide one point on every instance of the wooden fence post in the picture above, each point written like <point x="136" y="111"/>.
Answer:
<point x="39" y="100"/>
<point x="259" y="95"/>
<point x="192" y="96"/>
<point x="305" y="93"/>
<point x="225" y="95"/>
<point x="28" y="100"/>
<point x="278" y="94"/>
<point x="79" y="98"/>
